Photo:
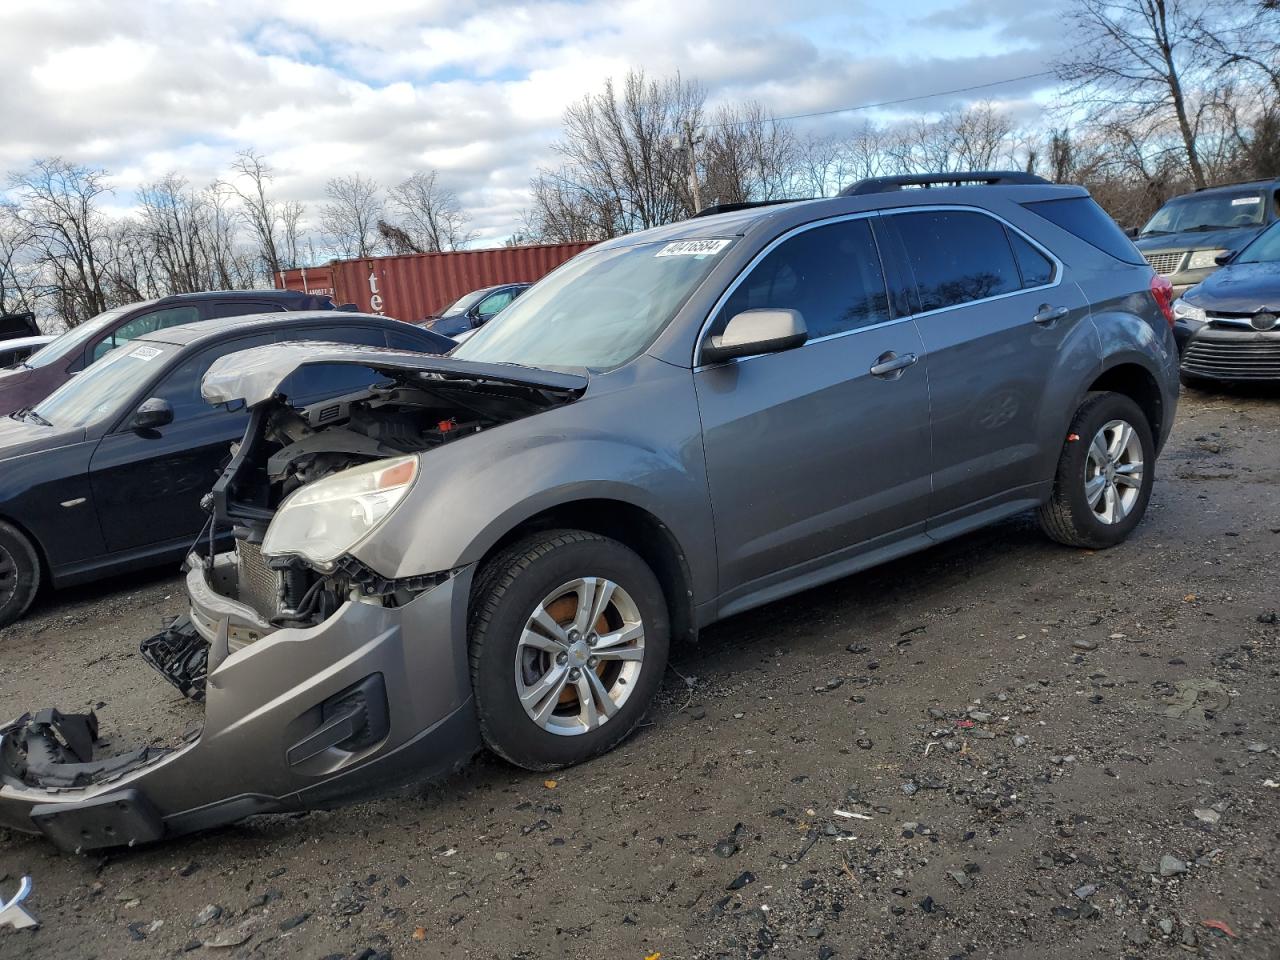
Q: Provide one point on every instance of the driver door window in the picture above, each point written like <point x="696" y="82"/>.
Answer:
<point x="147" y="323"/>
<point x="491" y="305"/>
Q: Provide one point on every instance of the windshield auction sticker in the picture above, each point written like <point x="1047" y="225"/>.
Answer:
<point x="692" y="248"/>
<point x="145" y="353"/>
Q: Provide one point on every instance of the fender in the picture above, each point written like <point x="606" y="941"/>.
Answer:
<point x="473" y="492"/>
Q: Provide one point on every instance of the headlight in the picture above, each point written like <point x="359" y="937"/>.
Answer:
<point x="325" y="519"/>
<point x="1204" y="258"/>
<point x="1186" y="311"/>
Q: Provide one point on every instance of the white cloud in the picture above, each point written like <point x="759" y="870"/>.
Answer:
<point x="327" y="87"/>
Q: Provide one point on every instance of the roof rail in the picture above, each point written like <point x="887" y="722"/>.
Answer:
<point x="989" y="178"/>
<point x="1236" y="183"/>
<point x="712" y="210"/>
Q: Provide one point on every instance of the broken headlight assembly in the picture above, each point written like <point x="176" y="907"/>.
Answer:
<point x="324" y="520"/>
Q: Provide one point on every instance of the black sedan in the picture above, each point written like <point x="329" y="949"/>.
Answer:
<point x="473" y="310"/>
<point x="106" y="474"/>
<point x="1228" y="327"/>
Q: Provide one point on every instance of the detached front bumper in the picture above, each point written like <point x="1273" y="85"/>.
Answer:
<point x="294" y="718"/>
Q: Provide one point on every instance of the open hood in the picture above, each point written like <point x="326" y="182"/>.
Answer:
<point x="256" y="375"/>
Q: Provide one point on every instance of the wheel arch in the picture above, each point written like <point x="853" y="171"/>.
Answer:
<point x="1135" y="381"/>
<point x="634" y="527"/>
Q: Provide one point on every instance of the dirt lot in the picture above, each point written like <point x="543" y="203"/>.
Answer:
<point x="1045" y="753"/>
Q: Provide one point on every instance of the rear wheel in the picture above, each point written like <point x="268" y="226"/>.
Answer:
<point x="19" y="574"/>
<point x="1105" y="474"/>
<point x="569" y="637"/>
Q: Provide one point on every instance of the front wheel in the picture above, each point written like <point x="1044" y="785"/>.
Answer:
<point x="569" y="636"/>
<point x="19" y="574"/>
<point x="1104" y="477"/>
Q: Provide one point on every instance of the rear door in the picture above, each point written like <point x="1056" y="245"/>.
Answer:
<point x="994" y="311"/>
<point x="810" y="456"/>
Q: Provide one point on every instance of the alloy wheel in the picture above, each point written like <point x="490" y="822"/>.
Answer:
<point x="8" y="576"/>
<point x="1113" y="472"/>
<point x="579" y="656"/>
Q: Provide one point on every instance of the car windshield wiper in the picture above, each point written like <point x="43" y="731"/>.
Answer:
<point x="1206" y="227"/>
<point x="1154" y="233"/>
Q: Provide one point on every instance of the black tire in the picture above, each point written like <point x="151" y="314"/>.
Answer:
<point x="19" y="574"/>
<point x="1067" y="517"/>
<point x="507" y="590"/>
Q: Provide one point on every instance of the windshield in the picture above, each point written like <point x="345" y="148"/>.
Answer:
<point x="1265" y="248"/>
<point x="104" y="386"/>
<point x="463" y="303"/>
<point x="74" y="340"/>
<point x="1208" y="211"/>
<point x="599" y="310"/>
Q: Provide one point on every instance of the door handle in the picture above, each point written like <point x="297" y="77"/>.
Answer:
<point x="890" y="365"/>
<point x="1047" y="316"/>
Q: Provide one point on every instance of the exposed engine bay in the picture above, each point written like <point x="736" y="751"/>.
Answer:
<point x="241" y="593"/>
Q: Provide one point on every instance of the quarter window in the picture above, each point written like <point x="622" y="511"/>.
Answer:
<point x="957" y="257"/>
<point x="1036" y="268"/>
<point x="830" y="274"/>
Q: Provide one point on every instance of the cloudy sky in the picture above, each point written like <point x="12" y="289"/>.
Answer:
<point x="474" y="89"/>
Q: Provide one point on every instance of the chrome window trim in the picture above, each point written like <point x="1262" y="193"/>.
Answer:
<point x="1058" y="271"/>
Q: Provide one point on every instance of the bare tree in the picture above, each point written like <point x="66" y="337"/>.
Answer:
<point x="747" y="155"/>
<point x="429" y="213"/>
<point x="59" y="204"/>
<point x="625" y="161"/>
<point x="1138" y="58"/>
<point x="274" y="223"/>
<point x="349" y="220"/>
<point x="17" y="280"/>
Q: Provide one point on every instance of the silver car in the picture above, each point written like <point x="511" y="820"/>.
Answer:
<point x="498" y="548"/>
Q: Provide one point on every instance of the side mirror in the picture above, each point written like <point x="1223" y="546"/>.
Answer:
<point x="1132" y="232"/>
<point x="756" y="331"/>
<point x="152" y="414"/>
<point x="1223" y="259"/>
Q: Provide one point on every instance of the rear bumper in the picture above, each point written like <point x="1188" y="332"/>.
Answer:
<point x="298" y="718"/>
<point x="1231" y="355"/>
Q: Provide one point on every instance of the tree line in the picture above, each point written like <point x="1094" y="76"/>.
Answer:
<point x="1155" y="97"/>
<point x="63" y="255"/>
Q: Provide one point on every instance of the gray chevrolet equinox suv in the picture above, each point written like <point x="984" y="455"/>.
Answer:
<point x="498" y="547"/>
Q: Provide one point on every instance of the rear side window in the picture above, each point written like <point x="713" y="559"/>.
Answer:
<point x="957" y="257"/>
<point x="830" y="274"/>
<point x="1088" y="221"/>
<point x="1037" y="269"/>
<point x="147" y="323"/>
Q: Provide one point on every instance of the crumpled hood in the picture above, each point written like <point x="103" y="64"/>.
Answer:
<point x="1240" y="288"/>
<point x="1233" y="238"/>
<point x="256" y="375"/>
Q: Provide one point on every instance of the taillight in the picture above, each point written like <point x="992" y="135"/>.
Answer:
<point x="1162" y="290"/>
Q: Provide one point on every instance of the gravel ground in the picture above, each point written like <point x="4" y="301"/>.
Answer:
<point x="998" y="748"/>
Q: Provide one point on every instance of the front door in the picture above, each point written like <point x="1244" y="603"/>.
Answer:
<point x="810" y="456"/>
<point x="997" y="320"/>
<point x="147" y="485"/>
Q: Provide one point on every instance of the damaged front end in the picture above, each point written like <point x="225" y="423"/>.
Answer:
<point x="321" y="678"/>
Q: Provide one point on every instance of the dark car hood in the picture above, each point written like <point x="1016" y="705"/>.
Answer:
<point x="254" y="376"/>
<point x="1232" y="238"/>
<point x="1240" y="288"/>
<point x="20" y="437"/>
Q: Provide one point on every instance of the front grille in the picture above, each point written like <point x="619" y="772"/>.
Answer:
<point x="1165" y="264"/>
<point x="1251" y="359"/>
<point x="258" y="584"/>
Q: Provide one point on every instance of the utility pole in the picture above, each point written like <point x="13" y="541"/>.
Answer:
<point x="688" y="147"/>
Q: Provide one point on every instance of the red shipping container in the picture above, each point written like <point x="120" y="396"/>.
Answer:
<point x="415" y="286"/>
